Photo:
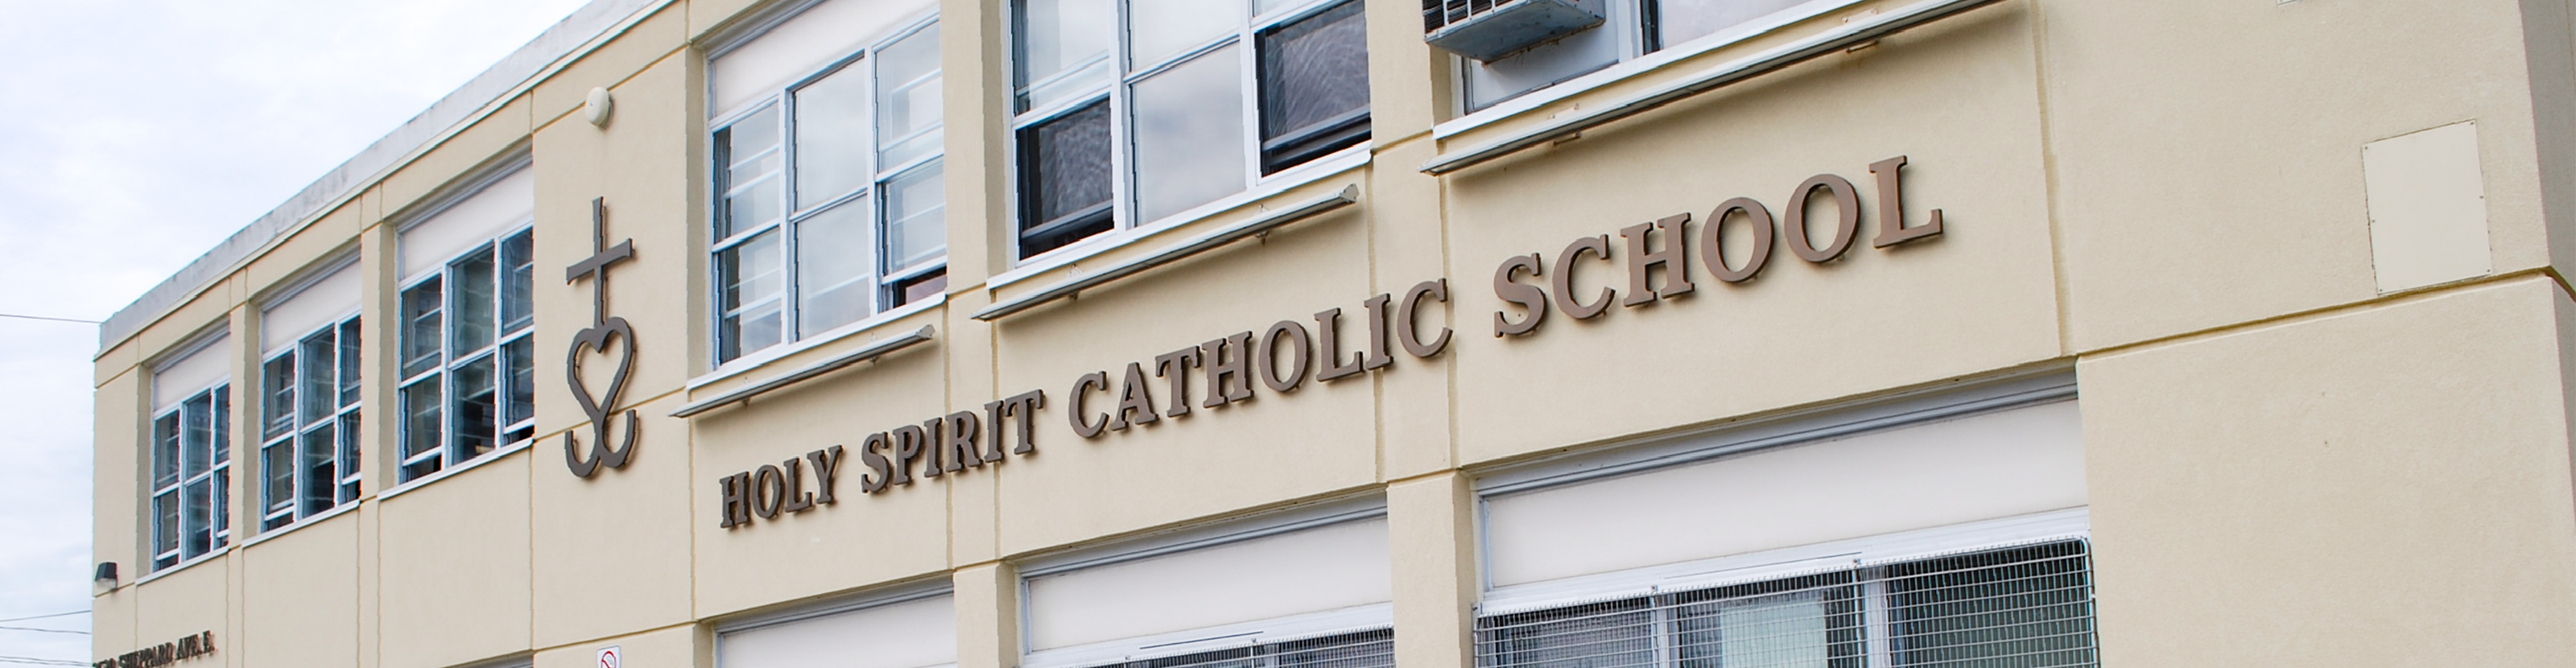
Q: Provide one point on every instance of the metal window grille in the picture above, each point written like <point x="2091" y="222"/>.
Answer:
<point x="2020" y="607"/>
<point x="1440" y="13"/>
<point x="1374" y="648"/>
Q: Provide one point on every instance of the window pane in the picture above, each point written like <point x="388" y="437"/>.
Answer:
<point x="471" y="329"/>
<point x="349" y="431"/>
<point x="165" y="528"/>
<point x="748" y="161"/>
<point x="222" y="504"/>
<point x="1807" y="628"/>
<point x="198" y="532"/>
<point x="476" y="414"/>
<point x="916" y="230"/>
<point x="1314" y="87"/>
<point x="1680" y="21"/>
<point x="832" y="137"/>
<point x="748" y="283"/>
<point x="321" y="445"/>
<point x="1189" y="135"/>
<point x="223" y="432"/>
<point x="1612" y="634"/>
<point x="420" y="333"/>
<point x="196" y="435"/>
<point x="320" y="393"/>
<point x="519" y="394"/>
<point x="277" y="475"/>
<point x="421" y="429"/>
<point x="1064" y="48"/>
<point x="1157" y="30"/>
<point x="165" y="451"/>
<point x="349" y="362"/>
<point x="277" y="413"/>
<point x="2007" y="609"/>
<point x="1065" y="179"/>
<point x="908" y="98"/>
<point x="833" y="259"/>
<point x="518" y="282"/>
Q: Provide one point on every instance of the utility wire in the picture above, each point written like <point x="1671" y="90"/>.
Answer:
<point x="58" y="614"/>
<point x="22" y="628"/>
<point x="39" y="317"/>
<point x="33" y="661"/>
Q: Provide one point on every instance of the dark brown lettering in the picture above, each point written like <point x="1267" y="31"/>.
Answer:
<point x="797" y="500"/>
<point x="1135" y="401"/>
<point x="1846" y="222"/>
<point x="1293" y="335"/>
<point x="768" y="491"/>
<point x="1891" y="207"/>
<point x="1563" y="283"/>
<point x="1673" y="259"/>
<point x="1176" y="366"/>
<point x="1407" y="328"/>
<point x="1229" y="369"/>
<point x="1083" y="425"/>
<point x="1529" y="297"/>
<point x="880" y="470"/>
<point x="734" y="491"/>
<point x="909" y="443"/>
<point x="1712" y="244"/>
<point x="1328" y="336"/>
<point x="827" y="472"/>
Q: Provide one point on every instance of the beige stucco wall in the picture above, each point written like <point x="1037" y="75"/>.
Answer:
<point x="2284" y="463"/>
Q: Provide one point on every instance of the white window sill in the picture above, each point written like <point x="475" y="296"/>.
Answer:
<point x="335" y="511"/>
<point x="1549" y="96"/>
<point x="443" y="474"/>
<point x="1318" y="169"/>
<point x="185" y="563"/>
<point x="762" y="359"/>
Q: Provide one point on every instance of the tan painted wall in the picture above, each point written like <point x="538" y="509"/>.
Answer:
<point x="2178" y="209"/>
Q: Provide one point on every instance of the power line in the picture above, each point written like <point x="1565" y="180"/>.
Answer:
<point x="33" y="661"/>
<point x="58" y="614"/>
<point x="22" y="628"/>
<point x="39" y="317"/>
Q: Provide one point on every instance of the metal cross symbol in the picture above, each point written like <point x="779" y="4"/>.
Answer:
<point x="604" y="332"/>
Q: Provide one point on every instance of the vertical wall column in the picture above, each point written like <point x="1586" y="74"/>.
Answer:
<point x="988" y="615"/>
<point x="977" y="98"/>
<point x="1431" y="522"/>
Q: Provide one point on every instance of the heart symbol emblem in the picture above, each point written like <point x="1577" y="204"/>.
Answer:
<point x="611" y="333"/>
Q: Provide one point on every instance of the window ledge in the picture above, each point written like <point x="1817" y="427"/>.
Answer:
<point x="1862" y="30"/>
<point x="443" y="474"/>
<point x="335" y="511"/>
<point x="184" y="564"/>
<point x="1211" y="239"/>
<point x="872" y="350"/>
<point x="761" y="360"/>
<point x="1320" y="169"/>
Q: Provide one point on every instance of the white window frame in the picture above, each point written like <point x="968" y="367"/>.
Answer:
<point x="1117" y="92"/>
<point x="783" y="101"/>
<point x="217" y="477"/>
<point x="447" y="456"/>
<point x="1637" y="55"/>
<point x="295" y="440"/>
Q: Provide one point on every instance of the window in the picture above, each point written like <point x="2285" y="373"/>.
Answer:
<point x="2018" y="607"/>
<point x="1374" y="648"/>
<point x="1196" y="99"/>
<point x="909" y="630"/>
<point x="191" y="458"/>
<point x="829" y="196"/>
<point x="468" y="356"/>
<point x="1308" y="591"/>
<point x="1630" y="28"/>
<point x="309" y="422"/>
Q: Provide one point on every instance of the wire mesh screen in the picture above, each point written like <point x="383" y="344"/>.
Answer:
<point x="2023" y="607"/>
<point x="1374" y="648"/>
<point x="1437" y="13"/>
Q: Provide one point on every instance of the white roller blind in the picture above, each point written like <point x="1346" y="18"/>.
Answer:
<point x="1311" y="570"/>
<point x="1999" y="464"/>
<point x="210" y="364"/>
<point x="502" y="205"/>
<point x="802" y="45"/>
<point x="312" y="308"/>
<point x="912" y="634"/>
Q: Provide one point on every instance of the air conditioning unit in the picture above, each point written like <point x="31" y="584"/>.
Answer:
<point x="1490" y="29"/>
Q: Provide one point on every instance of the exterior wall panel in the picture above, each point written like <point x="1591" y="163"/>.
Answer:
<point x="300" y="597"/>
<point x="455" y="566"/>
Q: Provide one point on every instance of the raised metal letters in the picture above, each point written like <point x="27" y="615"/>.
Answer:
<point x="604" y="331"/>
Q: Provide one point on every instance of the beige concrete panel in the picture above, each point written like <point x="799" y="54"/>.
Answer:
<point x="641" y="164"/>
<point x="187" y="601"/>
<point x="643" y="45"/>
<point x="377" y="322"/>
<point x="988" y="615"/>
<point x="324" y="239"/>
<point x="859" y="540"/>
<point x="2371" y="486"/>
<point x="111" y="623"/>
<point x="1977" y="298"/>
<point x="1409" y="81"/>
<point x="206" y="310"/>
<point x="370" y="567"/>
<point x="300" y="597"/>
<point x="119" y="433"/>
<point x="607" y="557"/>
<point x="1408" y="245"/>
<point x="966" y="345"/>
<point x="110" y="363"/>
<point x="488" y="138"/>
<point x="976" y="97"/>
<point x="2213" y="175"/>
<point x="1315" y="440"/>
<point x="454" y="579"/>
<point x="2549" y="54"/>
<point x="2428" y="207"/>
<point x="689" y="646"/>
<point x="1432" y="521"/>
<point x="709" y="16"/>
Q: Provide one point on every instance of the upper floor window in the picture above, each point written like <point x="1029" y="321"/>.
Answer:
<point x="191" y="455"/>
<point x="1628" y="29"/>
<point x="829" y="197"/>
<point x="1177" y="105"/>
<point x="308" y="456"/>
<point x="467" y="353"/>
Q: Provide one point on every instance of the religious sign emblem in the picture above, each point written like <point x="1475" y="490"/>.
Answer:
<point x="605" y="332"/>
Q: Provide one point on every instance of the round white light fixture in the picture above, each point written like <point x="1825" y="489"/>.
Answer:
<point x="597" y="106"/>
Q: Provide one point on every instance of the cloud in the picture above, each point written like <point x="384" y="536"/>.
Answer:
<point x="137" y="135"/>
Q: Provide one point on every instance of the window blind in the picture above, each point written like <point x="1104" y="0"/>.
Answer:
<point x="1329" y="567"/>
<point x="1990" y="465"/>
<point x="910" y="634"/>
<point x="503" y="204"/>
<point x="319" y="304"/>
<point x="801" y="44"/>
<point x="181" y="378"/>
<point x="1373" y="648"/>
<point x="2016" y="607"/>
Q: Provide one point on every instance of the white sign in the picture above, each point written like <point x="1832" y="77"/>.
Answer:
<point x="608" y="657"/>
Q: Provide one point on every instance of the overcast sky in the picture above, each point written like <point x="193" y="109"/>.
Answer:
<point x="134" y="135"/>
